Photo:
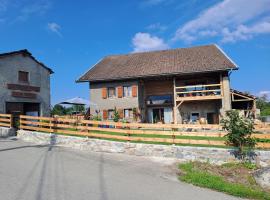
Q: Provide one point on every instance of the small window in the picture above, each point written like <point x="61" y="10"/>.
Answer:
<point x="110" y="114"/>
<point x="127" y="92"/>
<point x="128" y="113"/>
<point x="195" y="117"/>
<point x="23" y="76"/>
<point x="111" y="92"/>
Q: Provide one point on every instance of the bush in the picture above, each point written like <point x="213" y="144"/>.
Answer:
<point x="239" y="133"/>
<point x="116" y="115"/>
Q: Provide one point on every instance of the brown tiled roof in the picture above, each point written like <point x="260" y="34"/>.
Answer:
<point x="26" y="52"/>
<point x="157" y="63"/>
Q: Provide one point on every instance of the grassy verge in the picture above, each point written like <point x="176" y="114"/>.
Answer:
<point x="223" y="179"/>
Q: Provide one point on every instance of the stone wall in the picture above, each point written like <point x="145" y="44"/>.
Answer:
<point x="111" y="103"/>
<point x="181" y="153"/>
<point x="7" y="132"/>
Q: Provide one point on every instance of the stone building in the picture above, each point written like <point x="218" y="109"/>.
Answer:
<point x="185" y="85"/>
<point x="24" y="84"/>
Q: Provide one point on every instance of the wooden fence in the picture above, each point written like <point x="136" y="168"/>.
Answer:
<point x="6" y="120"/>
<point x="189" y="134"/>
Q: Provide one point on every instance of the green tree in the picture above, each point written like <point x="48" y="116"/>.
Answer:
<point x="116" y="115"/>
<point x="264" y="105"/>
<point x="58" y="110"/>
<point x="239" y="133"/>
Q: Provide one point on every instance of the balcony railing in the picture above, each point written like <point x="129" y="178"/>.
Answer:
<point x="197" y="92"/>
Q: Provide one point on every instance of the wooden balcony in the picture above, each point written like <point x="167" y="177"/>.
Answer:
<point x="198" y="92"/>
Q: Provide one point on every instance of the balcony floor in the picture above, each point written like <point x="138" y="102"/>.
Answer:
<point x="198" y="98"/>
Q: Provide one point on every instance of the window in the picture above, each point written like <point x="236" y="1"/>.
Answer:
<point x="128" y="114"/>
<point x="159" y="99"/>
<point x="110" y="114"/>
<point x="111" y="92"/>
<point x="195" y="117"/>
<point x="23" y="76"/>
<point x="127" y="91"/>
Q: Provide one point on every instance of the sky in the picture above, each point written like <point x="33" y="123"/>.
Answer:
<point x="71" y="36"/>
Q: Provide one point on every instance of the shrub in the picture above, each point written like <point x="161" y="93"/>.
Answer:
<point x="239" y="133"/>
<point x="116" y="115"/>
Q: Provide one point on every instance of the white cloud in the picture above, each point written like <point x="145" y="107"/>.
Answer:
<point x="229" y="19"/>
<point x="146" y="42"/>
<point x="243" y="32"/>
<point x="55" y="28"/>
<point x="156" y="27"/>
<point x="36" y="8"/>
<point x="149" y="3"/>
<point x="265" y="93"/>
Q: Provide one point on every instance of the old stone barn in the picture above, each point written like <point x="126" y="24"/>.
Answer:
<point x="24" y="84"/>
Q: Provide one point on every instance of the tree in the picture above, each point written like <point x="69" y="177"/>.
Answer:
<point x="58" y="110"/>
<point x="239" y="133"/>
<point x="264" y="105"/>
<point x="116" y="115"/>
<point x="78" y="108"/>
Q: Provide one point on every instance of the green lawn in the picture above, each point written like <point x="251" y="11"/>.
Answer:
<point x="203" y="178"/>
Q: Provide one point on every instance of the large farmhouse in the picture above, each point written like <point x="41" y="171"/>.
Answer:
<point x="24" y="84"/>
<point x="184" y="85"/>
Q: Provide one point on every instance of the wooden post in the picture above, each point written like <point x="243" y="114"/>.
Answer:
<point x="174" y="105"/>
<point x="221" y="86"/>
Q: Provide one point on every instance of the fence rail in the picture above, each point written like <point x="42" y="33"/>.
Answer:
<point x="189" y="134"/>
<point x="5" y="120"/>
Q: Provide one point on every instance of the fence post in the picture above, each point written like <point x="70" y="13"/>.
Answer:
<point x="11" y="121"/>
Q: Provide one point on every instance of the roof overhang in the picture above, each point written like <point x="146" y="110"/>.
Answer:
<point x="25" y="52"/>
<point x="153" y="75"/>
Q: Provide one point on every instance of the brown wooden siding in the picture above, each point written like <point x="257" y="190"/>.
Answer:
<point x="159" y="87"/>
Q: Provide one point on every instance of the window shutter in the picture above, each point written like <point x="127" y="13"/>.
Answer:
<point x="120" y="92"/>
<point x="105" y="114"/>
<point x="134" y="91"/>
<point x="121" y="113"/>
<point x="104" y="93"/>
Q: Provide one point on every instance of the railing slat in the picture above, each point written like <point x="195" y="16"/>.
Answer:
<point x="131" y="131"/>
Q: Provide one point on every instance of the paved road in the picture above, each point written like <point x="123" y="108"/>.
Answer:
<point x="36" y="172"/>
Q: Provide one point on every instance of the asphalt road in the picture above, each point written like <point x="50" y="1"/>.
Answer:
<point x="35" y="172"/>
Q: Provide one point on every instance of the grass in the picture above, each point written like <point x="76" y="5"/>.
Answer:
<point x="191" y="173"/>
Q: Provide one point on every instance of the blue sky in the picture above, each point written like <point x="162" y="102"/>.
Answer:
<point x="71" y="36"/>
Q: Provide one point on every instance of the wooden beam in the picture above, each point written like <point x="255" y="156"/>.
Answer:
<point x="243" y="96"/>
<point x="179" y="104"/>
<point x="242" y="100"/>
<point x="191" y="86"/>
<point x="174" y="105"/>
<point x="221" y="85"/>
<point x="199" y="98"/>
<point x="199" y="91"/>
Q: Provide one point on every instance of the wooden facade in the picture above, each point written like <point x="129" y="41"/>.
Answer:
<point x="179" y="94"/>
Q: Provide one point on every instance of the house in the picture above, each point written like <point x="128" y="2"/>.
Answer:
<point x="24" y="84"/>
<point x="183" y="85"/>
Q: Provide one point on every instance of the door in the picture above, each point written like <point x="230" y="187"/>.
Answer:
<point x="150" y="115"/>
<point x="158" y="115"/>
<point x="168" y="115"/>
<point x="212" y="118"/>
<point x="194" y="117"/>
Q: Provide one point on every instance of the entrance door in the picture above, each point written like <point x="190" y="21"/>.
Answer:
<point x="168" y="115"/>
<point x="18" y="108"/>
<point x="194" y="117"/>
<point x="158" y="115"/>
<point x="212" y="118"/>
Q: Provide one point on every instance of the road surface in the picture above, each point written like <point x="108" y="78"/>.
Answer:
<point x="40" y="172"/>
